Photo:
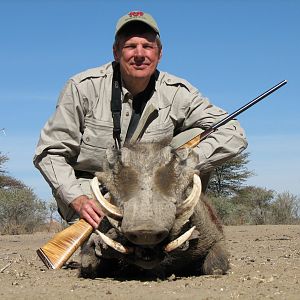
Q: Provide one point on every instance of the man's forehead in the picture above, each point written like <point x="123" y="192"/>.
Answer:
<point x="140" y="37"/>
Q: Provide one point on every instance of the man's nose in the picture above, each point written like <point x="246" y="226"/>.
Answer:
<point x="139" y="51"/>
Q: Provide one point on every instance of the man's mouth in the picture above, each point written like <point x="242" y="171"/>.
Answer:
<point x="140" y="66"/>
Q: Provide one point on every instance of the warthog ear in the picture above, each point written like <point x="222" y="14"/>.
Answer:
<point x="166" y="153"/>
<point x="182" y="154"/>
<point x="186" y="157"/>
<point x="112" y="155"/>
<point x="125" y="156"/>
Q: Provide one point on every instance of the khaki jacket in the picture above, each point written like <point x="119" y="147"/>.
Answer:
<point x="75" y="138"/>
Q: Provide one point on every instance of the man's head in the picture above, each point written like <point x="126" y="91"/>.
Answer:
<point x="137" y="45"/>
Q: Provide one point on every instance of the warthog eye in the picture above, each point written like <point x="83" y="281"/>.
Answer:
<point x="127" y="182"/>
<point x="164" y="180"/>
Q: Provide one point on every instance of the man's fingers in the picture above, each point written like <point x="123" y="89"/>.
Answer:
<point x="92" y="213"/>
<point x="97" y="208"/>
<point x="88" y="209"/>
<point x="91" y="217"/>
<point x="90" y="220"/>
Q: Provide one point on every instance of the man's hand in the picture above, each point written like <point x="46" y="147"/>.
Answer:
<point x="88" y="209"/>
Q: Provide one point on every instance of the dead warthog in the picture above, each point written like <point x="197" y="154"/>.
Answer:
<point x="156" y="219"/>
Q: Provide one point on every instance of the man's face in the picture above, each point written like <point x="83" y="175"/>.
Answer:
<point x="138" y="55"/>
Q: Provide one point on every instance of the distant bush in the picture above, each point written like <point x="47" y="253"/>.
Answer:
<point x="20" y="211"/>
<point x="257" y="206"/>
<point x="285" y="209"/>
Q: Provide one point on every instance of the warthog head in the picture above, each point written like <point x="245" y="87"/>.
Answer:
<point x="153" y="192"/>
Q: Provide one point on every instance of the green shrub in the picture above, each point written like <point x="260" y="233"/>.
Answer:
<point x="20" y="211"/>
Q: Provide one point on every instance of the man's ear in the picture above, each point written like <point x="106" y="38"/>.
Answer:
<point x="116" y="54"/>
<point x="160" y="54"/>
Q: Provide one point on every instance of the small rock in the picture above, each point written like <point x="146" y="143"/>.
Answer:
<point x="172" y="277"/>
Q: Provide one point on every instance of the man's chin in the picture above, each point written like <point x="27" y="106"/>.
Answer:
<point x="140" y="75"/>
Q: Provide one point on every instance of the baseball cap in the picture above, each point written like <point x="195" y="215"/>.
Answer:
<point x="137" y="16"/>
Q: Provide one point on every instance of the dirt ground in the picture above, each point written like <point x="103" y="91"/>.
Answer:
<point x="265" y="264"/>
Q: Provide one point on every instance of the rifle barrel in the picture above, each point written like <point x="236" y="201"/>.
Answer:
<point x="248" y="105"/>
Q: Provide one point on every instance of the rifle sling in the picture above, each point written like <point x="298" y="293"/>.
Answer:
<point x="116" y="104"/>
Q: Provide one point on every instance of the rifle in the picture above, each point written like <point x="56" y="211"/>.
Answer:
<point x="62" y="246"/>
<point x="196" y="140"/>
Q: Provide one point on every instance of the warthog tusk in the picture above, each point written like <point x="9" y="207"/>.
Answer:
<point x="108" y="208"/>
<point x="191" y="201"/>
<point x="179" y="241"/>
<point x="113" y="244"/>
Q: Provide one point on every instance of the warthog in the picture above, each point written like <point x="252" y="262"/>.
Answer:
<point x="156" y="219"/>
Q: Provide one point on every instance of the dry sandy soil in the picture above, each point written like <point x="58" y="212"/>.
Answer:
<point x="265" y="264"/>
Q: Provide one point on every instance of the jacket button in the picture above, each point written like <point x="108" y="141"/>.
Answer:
<point x="87" y="139"/>
<point x="127" y="114"/>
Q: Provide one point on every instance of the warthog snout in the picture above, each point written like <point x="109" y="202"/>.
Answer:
<point x="146" y="237"/>
<point x="146" y="220"/>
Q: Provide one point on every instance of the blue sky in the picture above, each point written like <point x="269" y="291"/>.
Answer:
<point x="231" y="50"/>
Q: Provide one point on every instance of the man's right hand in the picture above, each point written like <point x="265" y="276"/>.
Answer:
<point x="88" y="209"/>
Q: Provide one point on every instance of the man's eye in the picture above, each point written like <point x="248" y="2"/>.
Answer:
<point x="148" y="46"/>
<point x="129" y="46"/>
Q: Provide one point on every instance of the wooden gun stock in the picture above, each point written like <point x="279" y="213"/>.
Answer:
<point x="62" y="246"/>
<point x="196" y="139"/>
<point x="58" y="250"/>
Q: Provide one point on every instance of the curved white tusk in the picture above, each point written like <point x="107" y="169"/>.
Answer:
<point x="108" y="208"/>
<point x="191" y="201"/>
<point x="113" y="244"/>
<point x="179" y="241"/>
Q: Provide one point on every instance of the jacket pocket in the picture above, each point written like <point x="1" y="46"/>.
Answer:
<point x="97" y="134"/>
<point x="97" y="137"/>
<point x="159" y="132"/>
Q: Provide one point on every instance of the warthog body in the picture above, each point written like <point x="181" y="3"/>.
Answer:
<point x="148" y="184"/>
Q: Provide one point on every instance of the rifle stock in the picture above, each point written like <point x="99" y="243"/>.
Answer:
<point x="197" y="139"/>
<point x="62" y="246"/>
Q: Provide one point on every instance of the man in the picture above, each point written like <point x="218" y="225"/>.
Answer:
<point x="127" y="100"/>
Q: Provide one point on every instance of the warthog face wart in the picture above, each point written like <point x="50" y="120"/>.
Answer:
<point x="154" y="196"/>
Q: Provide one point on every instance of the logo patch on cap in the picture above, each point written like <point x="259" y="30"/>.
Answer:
<point x="139" y="16"/>
<point x="135" y="14"/>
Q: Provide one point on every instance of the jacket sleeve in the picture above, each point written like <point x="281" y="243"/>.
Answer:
<point x="228" y="141"/>
<point x="59" y="143"/>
